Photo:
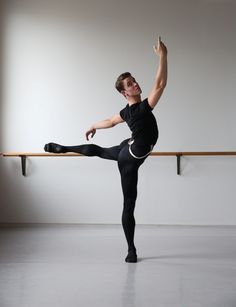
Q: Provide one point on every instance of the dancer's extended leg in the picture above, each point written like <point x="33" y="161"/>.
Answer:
<point x="90" y="150"/>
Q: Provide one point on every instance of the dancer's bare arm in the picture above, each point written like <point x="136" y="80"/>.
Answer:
<point x="106" y="123"/>
<point x="161" y="76"/>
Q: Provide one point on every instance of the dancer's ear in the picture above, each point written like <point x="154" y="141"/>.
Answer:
<point x="123" y="92"/>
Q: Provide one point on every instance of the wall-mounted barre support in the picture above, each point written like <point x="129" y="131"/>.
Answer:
<point x="178" y="155"/>
<point x="23" y="164"/>
<point x="178" y="163"/>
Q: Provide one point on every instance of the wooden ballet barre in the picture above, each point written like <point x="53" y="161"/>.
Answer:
<point x="39" y="154"/>
<point x="177" y="154"/>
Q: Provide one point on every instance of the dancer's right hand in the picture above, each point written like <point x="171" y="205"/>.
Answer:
<point x="91" y="131"/>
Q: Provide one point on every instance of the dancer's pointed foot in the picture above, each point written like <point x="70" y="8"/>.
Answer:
<point x="55" y="148"/>
<point x="131" y="257"/>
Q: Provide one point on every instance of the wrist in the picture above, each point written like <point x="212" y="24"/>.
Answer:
<point x="163" y="56"/>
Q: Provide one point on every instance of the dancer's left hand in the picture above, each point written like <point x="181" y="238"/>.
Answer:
<point x="160" y="48"/>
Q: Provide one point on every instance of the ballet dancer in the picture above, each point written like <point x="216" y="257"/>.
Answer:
<point x="132" y="152"/>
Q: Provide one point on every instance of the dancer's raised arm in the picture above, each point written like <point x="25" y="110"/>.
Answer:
<point x="161" y="76"/>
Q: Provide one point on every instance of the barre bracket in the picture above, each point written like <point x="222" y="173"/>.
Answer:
<point x="178" y="164"/>
<point x="23" y="165"/>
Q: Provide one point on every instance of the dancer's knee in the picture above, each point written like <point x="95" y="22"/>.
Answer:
<point x="129" y="206"/>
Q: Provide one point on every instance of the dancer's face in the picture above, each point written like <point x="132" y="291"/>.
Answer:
<point x="131" y="87"/>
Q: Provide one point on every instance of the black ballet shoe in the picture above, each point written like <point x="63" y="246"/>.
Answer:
<point x="131" y="257"/>
<point x="55" y="148"/>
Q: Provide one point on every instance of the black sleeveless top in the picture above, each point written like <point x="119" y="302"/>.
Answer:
<point x="142" y="122"/>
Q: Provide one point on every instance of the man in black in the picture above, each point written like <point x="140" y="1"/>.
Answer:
<point x="131" y="153"/>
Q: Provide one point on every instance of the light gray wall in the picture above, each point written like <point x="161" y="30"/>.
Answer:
<point x="60" y="60"/>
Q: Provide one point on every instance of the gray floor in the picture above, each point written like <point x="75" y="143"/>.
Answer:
<point x="72" y="265"/>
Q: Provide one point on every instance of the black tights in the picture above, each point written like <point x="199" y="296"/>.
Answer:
<point x="128" y="167"/>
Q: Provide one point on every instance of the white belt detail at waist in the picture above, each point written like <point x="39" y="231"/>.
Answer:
<point x="133" y="155"/>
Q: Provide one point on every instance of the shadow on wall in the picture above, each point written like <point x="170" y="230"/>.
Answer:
<point x="7" y="188"/>
<point x="4" y="180"/>
<point x="1" y="96"/>
<point x="16" y="192"/>
<point x="1" y="75"/>
<point x="3" y="176"/>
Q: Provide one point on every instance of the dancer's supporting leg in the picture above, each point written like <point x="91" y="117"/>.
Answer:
<point x="128" y="167"/>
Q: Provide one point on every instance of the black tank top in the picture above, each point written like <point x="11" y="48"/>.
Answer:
<point x="141" y="122"/>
